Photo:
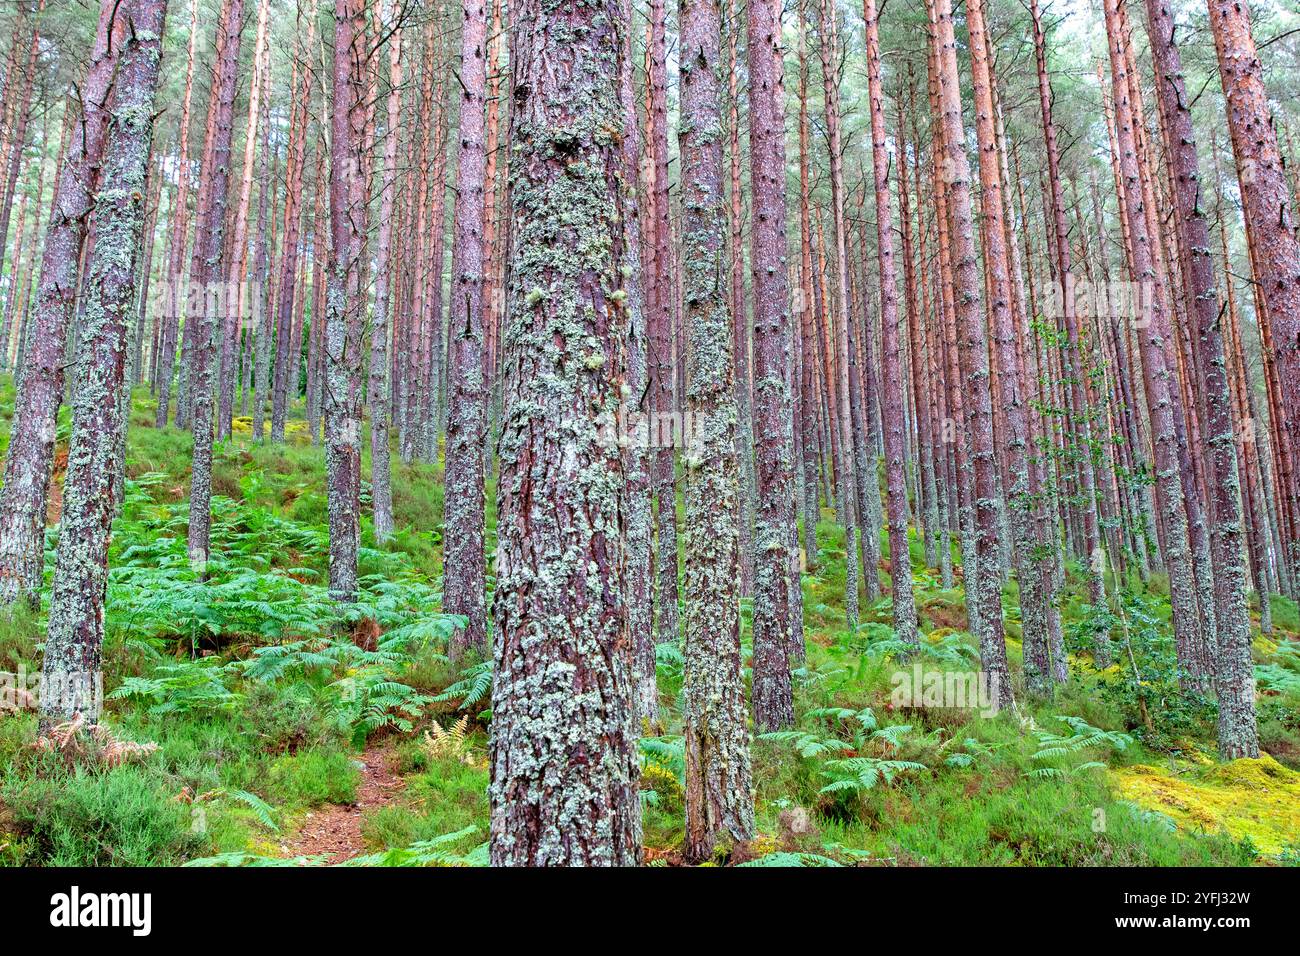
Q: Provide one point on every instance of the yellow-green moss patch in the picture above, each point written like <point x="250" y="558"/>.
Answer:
<point x="1256" y="799"/>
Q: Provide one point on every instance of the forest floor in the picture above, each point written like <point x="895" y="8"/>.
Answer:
<point x="288" y="734"/>
<point x="332" y="832"/>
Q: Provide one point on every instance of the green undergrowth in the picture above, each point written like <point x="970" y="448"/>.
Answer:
<point x="259" y="697"/>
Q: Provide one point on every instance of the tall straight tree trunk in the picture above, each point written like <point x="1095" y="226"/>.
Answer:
<point x="808" y="392"/>
<point x="209" y="233"/>
<point x="22" y="117"/>
<point x="1016" y="436"/>
<point x="1157" y="376"/>
<point x="739" y="309"/>
<point x="268" y="174"/>
<point x="563" y="750"/>
<point x="1270" y="230"/>
<point x="719" y="801"/>
<point x="850" y="472"/>
<point x="637" y="459"/>
<point x="70" y="671"/>
<point x="464" y="563"/>
<point x="342" y="338"/>
<point x="29" y="463"/>
<point x="894" y="404"/>
<point x="777" y="625"/>
<point x="985" y="586"/>
<point x="660" y="294"/>
<point x="379" y="385"/>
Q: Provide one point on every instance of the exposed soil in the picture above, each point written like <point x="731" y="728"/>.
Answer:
<point x="334" y="831"/>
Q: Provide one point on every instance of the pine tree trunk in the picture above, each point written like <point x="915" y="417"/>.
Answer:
<point x="635" y="417"/>
<point x="894" y="399"/>
<point x="464" y="563"/>
<point x="209" y="232"/>
<point x="661" y="291"/>
<point x="70" y="673"/>
<point x="287" y="355"/>
<point x="984" y="587"/>
<point x="778" y="627"/>
<point x="1271" y="233"/>
<point x="563" y="751"/>
<point x="379" y="384"/>
<point x="1016" y="436"/>
<point x="29" y="463"/>
<point x="719" y="802"/>
<point x="1233" y="667"/>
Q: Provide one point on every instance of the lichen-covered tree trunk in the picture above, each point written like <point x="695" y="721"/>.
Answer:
<point x="1156" y="374"/>
<point x="984" y="587"/>
<point x="777" y="627"/>
<point x="342" y="340"/>
<point x="70" y="671"/>
<point x="463" y="564"/>
<point x="719" y="801"/>
<point x="209" y="232"/>
<point x="21" y="118"/>
<point x="30" y="460"/>
<point x="563" y="748"/>
<point x="379" y="384"/>
<point x="894" y="403"/>
<point x="1270" y="230"/>
<point x="927" y="491"/>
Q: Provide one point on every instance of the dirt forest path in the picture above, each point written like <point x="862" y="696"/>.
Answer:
<point x="334" y="830"/>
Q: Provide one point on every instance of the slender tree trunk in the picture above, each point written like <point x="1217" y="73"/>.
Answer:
<point x="464" y="564"/>
<point x="637" y="428"/>
<point x="170" y="319"/>
<point x="777" y="625"/>
<point x="209" y="232"/>
<point x="719" y="802"/>
<point x="1016" y="436"/>
<point x="377" y="389"/>
<point x="287" y="357"/>
<point x="659" y="298"/>
<point x="984" y="588"/>
<point x="235" y="295"/>
<point x="894" y="404"/>
<point x="563" y="751"/>
<point x="850" y="473"/>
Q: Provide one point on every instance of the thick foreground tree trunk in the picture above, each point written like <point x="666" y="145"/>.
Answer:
<point x="563" y="752"/>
